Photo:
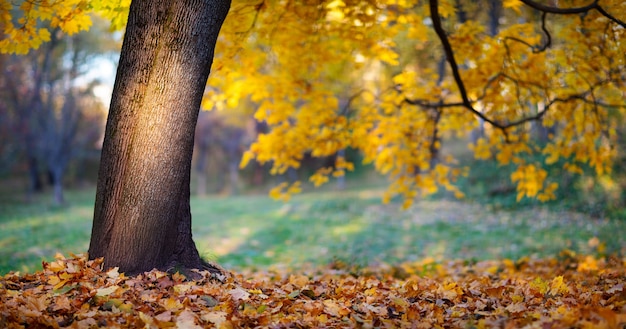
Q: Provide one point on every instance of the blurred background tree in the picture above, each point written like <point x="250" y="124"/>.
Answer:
<point x="51" y="116"/>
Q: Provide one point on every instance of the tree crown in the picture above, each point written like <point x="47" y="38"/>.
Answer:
<point x="395" y="79"/>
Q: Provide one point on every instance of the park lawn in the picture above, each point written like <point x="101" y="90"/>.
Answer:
<point x="349" y="227"/>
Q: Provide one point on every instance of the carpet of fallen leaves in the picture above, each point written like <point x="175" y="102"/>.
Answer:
<point x="572" y="291"/>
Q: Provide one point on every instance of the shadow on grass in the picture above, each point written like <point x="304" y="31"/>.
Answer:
<point x="354" y="228"/>
<point x="33" y="232"/>
<point x="319" y="228"/>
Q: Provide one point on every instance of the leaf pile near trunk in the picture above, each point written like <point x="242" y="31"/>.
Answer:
<point x="571" y="291"/>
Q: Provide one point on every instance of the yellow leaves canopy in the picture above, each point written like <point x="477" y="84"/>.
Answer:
<point x="351" y="75"/>
<point x="331" y="75"/>
<point x="25" y="31"/>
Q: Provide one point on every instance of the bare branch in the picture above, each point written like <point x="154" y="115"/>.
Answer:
<point x="611" y="17"/>
<point x="430" y="105"/>
<point x="536" y="48"/>
<point x="346" y="108"/>
<point x="447" y="48"/>
<point x="563" y="11"/>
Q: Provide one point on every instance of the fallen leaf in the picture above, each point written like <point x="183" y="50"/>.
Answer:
<point x="106" y="291"/>
<point x="164" y="317"/>
<point x="217" y="318"/>
<point x="113" y="273"/>
<point x="187" y="320"/>
<point x="239" y="293"/>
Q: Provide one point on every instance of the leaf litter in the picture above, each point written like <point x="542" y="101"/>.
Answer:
<point x="565" y="292"/>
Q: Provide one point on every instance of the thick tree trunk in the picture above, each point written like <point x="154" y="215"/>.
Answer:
<point x="142" y="218"/>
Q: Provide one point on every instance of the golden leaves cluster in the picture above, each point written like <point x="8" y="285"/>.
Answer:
<point x="25" y="30"/>
<point x="574" y="291"/>
<point x="332" y="75"/>
<point x="30" y="23"/>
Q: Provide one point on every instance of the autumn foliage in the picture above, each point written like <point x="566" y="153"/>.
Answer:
<point x="572" y="291"/>
<point x="394" y="80"/>
<point x="327" y="76"/>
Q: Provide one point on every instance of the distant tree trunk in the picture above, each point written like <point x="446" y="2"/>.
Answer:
<point x="57" y="185"/>
<point x="57" y="136"/>
<point x="204" y="131"/>
<point x="36" y="185"/>
<point x="233" y="177"/>
<point x="201" y="174"/>
<point x="59" y="128"/>
<point x="142" y="217"/>
<point x="201" y="167"/>
<point x="495" y="12"/>
<point x="259" y="169"/>
<point x="28" y="106"/>
<point x="341" y="180"/>
<point x="232" y="144"/>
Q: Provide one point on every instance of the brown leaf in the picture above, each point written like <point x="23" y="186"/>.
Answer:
<point x="239" y="293"/>
<point x="187" y="319"/>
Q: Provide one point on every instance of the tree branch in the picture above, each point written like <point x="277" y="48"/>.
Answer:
<point x="557" y="10"/>
<point x="426" y="104"/>
<point x="468" y="104"/>
<point x="536" y="49"/>
<point x="447" y="48"/>
<point x="344" y="110"/>
<point x="577" y="10"/>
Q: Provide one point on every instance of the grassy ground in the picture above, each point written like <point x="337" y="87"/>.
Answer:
<point x="349" y="226"/>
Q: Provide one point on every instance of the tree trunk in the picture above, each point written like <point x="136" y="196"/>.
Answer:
<point x="56" y="176"/>
<point x="341" y="180"/>
<point x="36" y="185"/>
<point x="142" y="217"/>
<point x="233" y="176"/>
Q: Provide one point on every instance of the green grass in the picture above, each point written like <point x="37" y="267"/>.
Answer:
<point x="31" y="232"/>
<point x="321" y="227"/>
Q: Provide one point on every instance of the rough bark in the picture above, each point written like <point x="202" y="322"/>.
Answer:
<point x="142" y="217"/>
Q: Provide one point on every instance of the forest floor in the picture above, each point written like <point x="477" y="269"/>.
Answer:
<point x="570" y="292"/>
<point x="331" y="259"/>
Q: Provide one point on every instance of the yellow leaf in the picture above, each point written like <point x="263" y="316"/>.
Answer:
<point x="558" y="286"/>
<point x="171" y="304"/>
<point x="513" y="4"/>
<point x="44" y="34"/>
<point x="106" y="291"/>
<point x="217" y="318"/>
<point x="54" y="280"/>
<point x="447" y="9"/>
<point x="588" y="264"/>
<point x="113" y="273"/>
<point x="74" y="22"/>
<point x="540" y="285"/>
